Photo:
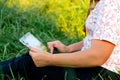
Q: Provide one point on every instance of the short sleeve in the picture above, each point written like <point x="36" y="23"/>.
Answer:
<point x="106" y="26"/>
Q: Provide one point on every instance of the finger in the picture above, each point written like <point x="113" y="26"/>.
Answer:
<point x="30" y="53"/>
<point x="33" y="49"/>
<point x="50" y="44"/>
<point x="51" y="47"/>
<point x="51" y="50"/>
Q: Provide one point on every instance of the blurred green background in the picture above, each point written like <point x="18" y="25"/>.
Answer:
<point x="48" y="20"/>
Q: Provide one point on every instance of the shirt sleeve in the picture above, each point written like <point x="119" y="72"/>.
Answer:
<point x="106" y="26"/>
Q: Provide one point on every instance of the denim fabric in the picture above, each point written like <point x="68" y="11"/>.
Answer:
<point x="23" y="66"/>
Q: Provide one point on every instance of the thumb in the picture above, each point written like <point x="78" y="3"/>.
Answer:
<point x="33" y="49"/>
<point x="51" y="50"/>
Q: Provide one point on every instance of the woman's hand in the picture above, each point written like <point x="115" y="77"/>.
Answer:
<point x="40" y="58"/>
<point x="58" y="45"/>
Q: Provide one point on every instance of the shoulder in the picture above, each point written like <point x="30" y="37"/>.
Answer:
<point x="110" y="4"/>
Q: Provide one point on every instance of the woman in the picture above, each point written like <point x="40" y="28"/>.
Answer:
<point x="97" y="57"/>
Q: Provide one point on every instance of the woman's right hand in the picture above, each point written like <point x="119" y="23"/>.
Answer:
<point x="58" y="45"/>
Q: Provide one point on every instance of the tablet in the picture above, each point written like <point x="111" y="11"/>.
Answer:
<point x="30" y="40"/>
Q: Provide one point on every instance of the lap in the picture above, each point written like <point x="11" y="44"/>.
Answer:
<point x="25" y="67"/>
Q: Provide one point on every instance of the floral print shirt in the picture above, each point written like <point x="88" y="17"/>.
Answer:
<point x="103" y="23"/>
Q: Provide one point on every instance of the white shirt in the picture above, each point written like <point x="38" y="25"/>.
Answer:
<point x="103" y="23"/>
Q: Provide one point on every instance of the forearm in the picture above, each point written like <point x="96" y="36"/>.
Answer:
<point x="97" y="55"/>
<point x="77" y="59"/>
<point x="75" y="47"/>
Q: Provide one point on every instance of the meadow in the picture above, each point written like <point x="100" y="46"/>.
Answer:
<point x="48" y="20"/>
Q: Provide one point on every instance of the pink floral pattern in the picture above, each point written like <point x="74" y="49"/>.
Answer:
<point x="103" y="23"/>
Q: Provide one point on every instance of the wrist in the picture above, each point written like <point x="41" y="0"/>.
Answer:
<point x="68" y="49"/>
<point x="51" y="60"/>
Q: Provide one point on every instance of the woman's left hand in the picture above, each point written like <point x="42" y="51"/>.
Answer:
<point x="40" y="58"/>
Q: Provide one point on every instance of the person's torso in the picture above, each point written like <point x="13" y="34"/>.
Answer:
<point x="92" y="23"/>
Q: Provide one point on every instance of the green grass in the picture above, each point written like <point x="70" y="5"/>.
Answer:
<point x="48" y="20"/>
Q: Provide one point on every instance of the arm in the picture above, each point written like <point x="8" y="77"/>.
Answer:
<point x="75" y="47"/>
<point x="63" y="48"/>
<point x="95" y="56"/>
